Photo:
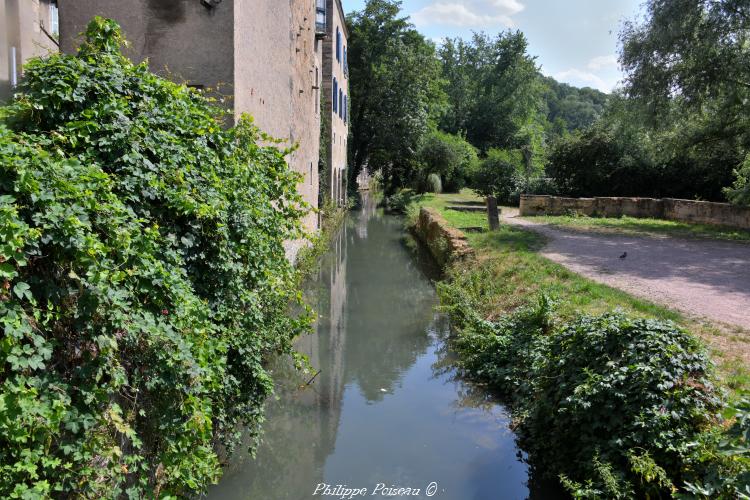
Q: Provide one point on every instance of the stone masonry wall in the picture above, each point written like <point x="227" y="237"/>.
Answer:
<point x="446" y="244"/>
<point x="700" y="212"/>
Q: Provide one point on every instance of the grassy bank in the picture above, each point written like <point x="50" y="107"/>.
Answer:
<point x="650" y="227"/>
<point x="514" y="272"/>
<point x="635" y="387"/>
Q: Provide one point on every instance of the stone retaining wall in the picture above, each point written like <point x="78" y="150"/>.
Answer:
<point x="445" y="243"/>
<point x="701" y="212"/>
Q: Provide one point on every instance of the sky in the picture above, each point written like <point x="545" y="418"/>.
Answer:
<point x="575" y="41"/>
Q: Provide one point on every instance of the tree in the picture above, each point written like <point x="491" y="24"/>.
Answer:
<point x="450" y="157"/>
<point x="493" y="88"/>
<point x="575" y="108"/>
<point x="498" y="174"/>
<point x="396" y="91"/>
<point x="688" y="69"/>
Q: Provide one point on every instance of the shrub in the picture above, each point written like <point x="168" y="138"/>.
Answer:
<point x="143" y="279"/>
<point x="449" y="156"/>
<point x="739" y="193"/>
<point x="434" y="183"/>
<point x="614" y="393"/>
<point x="399" y="201"/>
<point x="498" y="175"/>
<point x="599" y="162"/>
<point x="617" y="407"/>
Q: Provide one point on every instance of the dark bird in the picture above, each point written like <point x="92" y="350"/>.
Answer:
<point x="624" y="254"/>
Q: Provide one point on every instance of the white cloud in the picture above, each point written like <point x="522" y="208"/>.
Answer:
<point x="598" y="73"/>
<point x="602" y="62"/>
<point x="581" y="78"/>
<point x="468" y="13"/>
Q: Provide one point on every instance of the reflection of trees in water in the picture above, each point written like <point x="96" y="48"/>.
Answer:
<point x="387" y="312"/>
<point x="371" y="328"/>
<point x="480" y="396"/>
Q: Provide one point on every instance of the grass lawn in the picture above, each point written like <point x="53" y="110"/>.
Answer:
<point x="654" y="227"/>
<point x="511" y="272"/>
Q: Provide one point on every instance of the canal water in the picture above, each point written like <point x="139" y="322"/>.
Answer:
<point x="387" y="409"/>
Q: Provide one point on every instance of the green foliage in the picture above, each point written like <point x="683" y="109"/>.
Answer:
<point x="493" y="88"/>
<point x="601" y="162"/>
<point x="570" y="108"/>
<point x="739" y="193"/>
<point x="399" y="201"/>
<point x="498" y="174"/>
<point x="144" y="280"/>
<point x="395" y="89"/>
<point x="451" y="157"/>
<point x="688" y="79"/>
<point x="504" y="174"/>
<point x="615" y="406"/>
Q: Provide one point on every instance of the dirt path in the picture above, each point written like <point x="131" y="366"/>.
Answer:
<point x="701" y="278"/>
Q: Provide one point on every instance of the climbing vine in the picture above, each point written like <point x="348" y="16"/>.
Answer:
<point x="143" y="280"/>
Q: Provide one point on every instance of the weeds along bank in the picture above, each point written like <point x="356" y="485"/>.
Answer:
<point x="607" y="395"/>
<point x="144" y="279"/>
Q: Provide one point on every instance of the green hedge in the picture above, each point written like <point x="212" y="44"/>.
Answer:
<point x="613" y="406"/>
<point x="143" y="279"/>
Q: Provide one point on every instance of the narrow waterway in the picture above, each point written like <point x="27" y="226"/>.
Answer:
<point x="386" y="407"/>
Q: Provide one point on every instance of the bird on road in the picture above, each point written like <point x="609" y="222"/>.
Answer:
<point x="624" y="254"/>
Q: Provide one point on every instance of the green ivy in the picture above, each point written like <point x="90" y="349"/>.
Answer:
<point x="143" y="280"/>
<point x="613" y="406"/>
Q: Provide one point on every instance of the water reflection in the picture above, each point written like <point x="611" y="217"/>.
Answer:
<point x="384" y="407"/>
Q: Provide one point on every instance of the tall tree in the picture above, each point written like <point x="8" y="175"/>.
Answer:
<point x="493" y="88"/>
<point x="688" y="69"/>
<point x="395" y="87"/>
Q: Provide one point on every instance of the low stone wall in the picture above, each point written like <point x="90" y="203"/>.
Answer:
<point x="700" y="212"/>
<point x="445" y="243"/>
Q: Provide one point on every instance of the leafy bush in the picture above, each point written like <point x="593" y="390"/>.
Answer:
<point x="498" y="174"/>
<point x="449" y="156"/>
<point x="617" y="407"/>
<point x="399" y="201"/>
<point x="143" y="280"/>
<point x="739" y="193"/>
<point x="600" y="162"/>
<point x="501" y="174"/>
<point x="635" y="391"/>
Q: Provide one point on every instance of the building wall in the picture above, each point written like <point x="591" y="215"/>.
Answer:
<point x="276" y="56"/>
<point x="182" y="39"/>
<point x="305" y="113"/>
<point x="22" y="25"/>
<point x="262" y="55"/>
<point x="335" y="68"/>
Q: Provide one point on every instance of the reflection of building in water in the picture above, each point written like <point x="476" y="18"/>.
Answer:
<point x="301" y="426"/>
<point x="369" y="206"/>
<point x="363" y="179"/>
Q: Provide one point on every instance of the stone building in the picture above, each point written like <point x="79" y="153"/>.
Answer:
<point x="28" y="28"/>
<point x="336" y="102"/>
<point x="264" y="56"/>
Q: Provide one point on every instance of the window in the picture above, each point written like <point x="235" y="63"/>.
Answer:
<point x="335" y="95"/>
<point x="346" y="109"/>
<point x="341" y="103"/>
<point x="317" y="90"/>
<point x="54" y="19"/>
<point x="338" y="44"/>
<point x="320" y="16"/>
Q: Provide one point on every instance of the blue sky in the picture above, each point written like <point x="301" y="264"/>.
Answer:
<point x="574" y="41"/>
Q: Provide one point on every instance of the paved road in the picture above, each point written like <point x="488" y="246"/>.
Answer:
<point x="699" y="277"/>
